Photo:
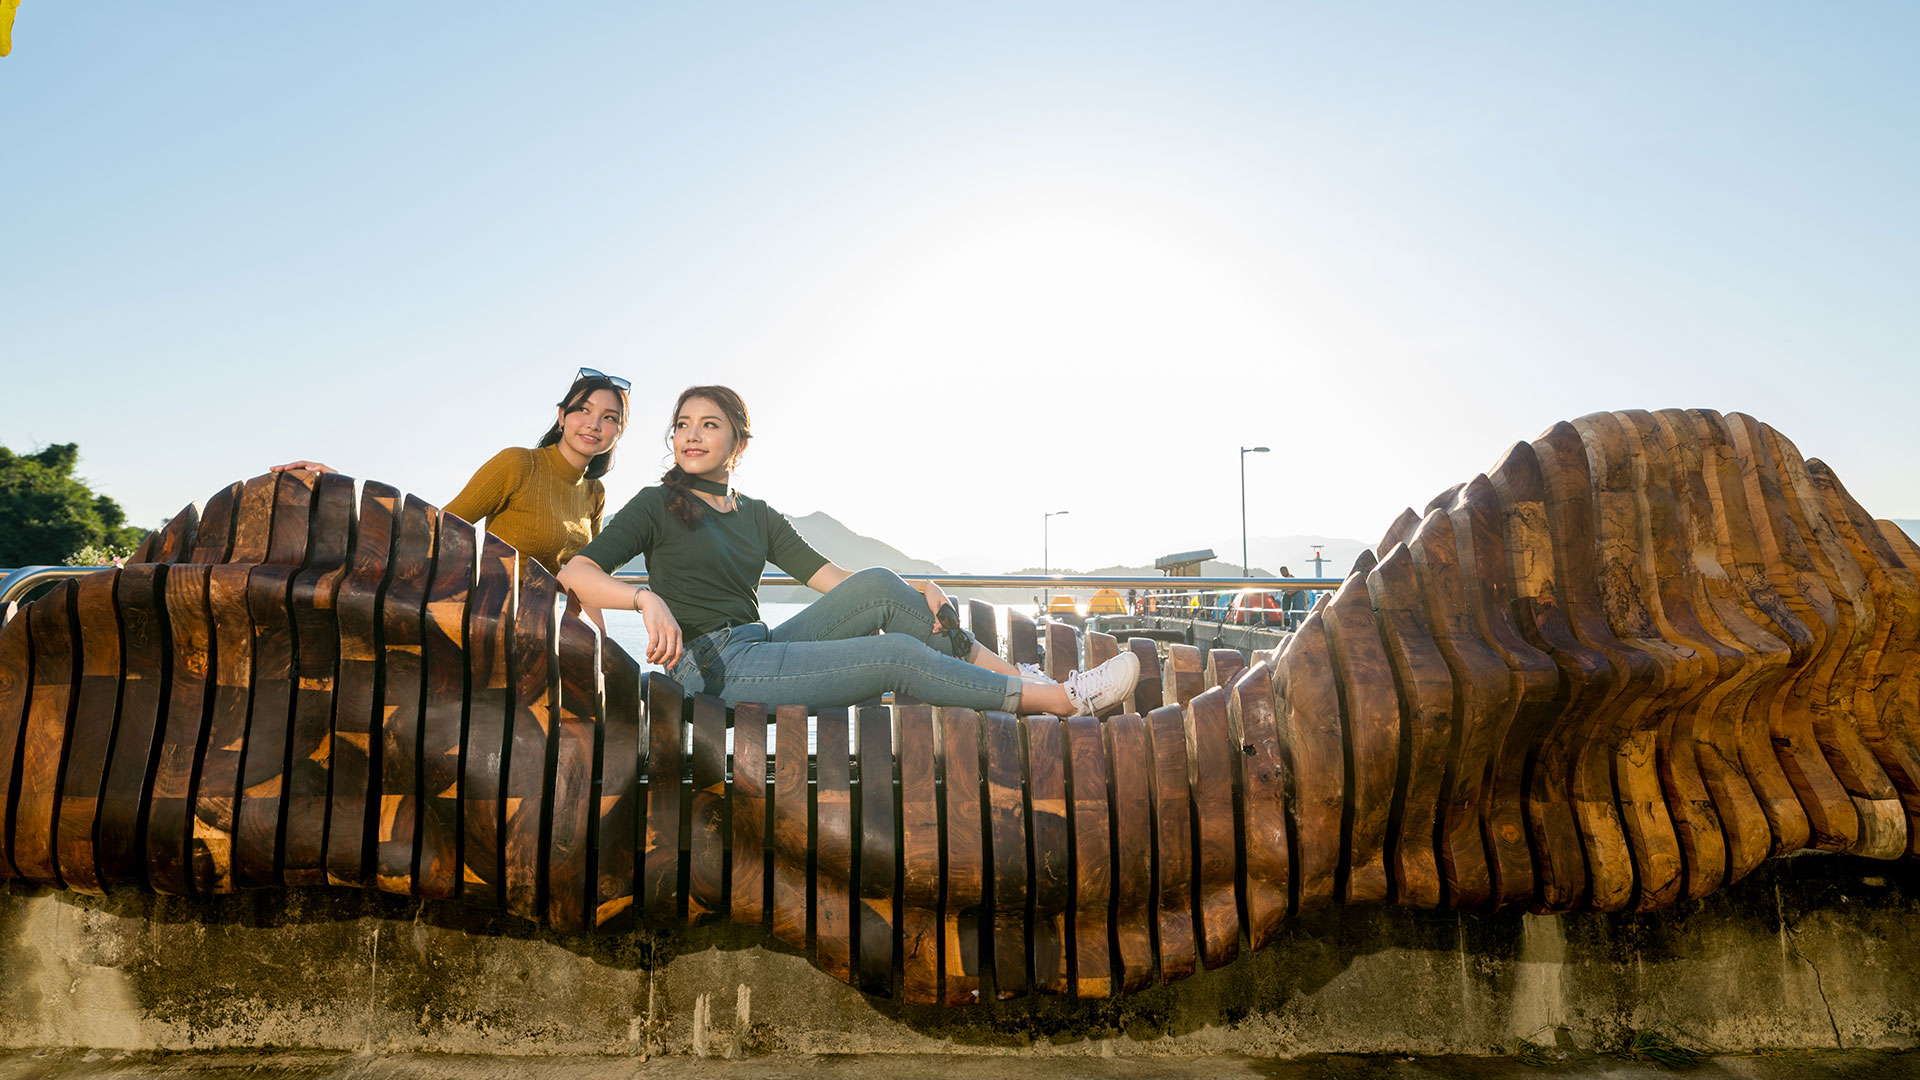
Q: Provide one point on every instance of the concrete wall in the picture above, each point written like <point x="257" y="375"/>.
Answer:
<point x="1812" y="951"/>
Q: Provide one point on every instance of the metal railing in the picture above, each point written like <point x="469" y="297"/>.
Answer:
<point x="16" y="583"/>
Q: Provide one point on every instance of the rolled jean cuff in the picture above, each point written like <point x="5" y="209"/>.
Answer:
<point x="1012" y="704"/>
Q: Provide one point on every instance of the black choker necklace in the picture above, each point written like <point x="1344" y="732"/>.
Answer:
<point x="708" y="486"/>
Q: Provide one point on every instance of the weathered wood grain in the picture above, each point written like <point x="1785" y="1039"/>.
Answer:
<point x="879" y="875"/>
<point x="747" y="811"/>
<point x="95" y="713"/>
<point x="444" y="669"/>
<point x="1176" y="941"/>
<point x="920" y="850"/>
<point x="1210" y="754"/>
<point x="1007" y="847"/>
<point x="1371" y="725"/>
<point x="833" y="846"/>
<point x="792" y="829"/>
<point x="1266" y="865"/>
<point x="1146" y="695"/>
<point x="707" y="861"/>
<point x="661" y="882"/>
<point x="1180" y="676"/>
<point x="1049" y="834"/>
<point x="1130" y="793"/>
<point x="618" y="837"/>
<point x="355" y="747"/>
<point x="316" y="667"/>
<point x="570" y="841"/>
<point x="964" y="908"/>
<point x="491" y="689"/>
<point x="1090" y="960"/>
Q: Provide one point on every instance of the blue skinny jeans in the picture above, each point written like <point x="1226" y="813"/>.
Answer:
<point x="830" y="654"/>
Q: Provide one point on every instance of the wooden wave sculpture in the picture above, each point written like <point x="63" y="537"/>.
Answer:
<point x="1641" y="654"/>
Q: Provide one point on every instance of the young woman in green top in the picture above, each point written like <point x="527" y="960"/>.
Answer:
<point x="706" y="545"/>
<point x="547" y="501"/>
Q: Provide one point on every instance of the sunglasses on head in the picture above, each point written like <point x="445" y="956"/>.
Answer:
<point x="589" y="373"/>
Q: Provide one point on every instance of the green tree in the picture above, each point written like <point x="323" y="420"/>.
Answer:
<point x="46" y="514"/>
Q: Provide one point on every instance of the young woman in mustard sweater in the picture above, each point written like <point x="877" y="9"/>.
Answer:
<point x="547" y="501"/>
<point x="706" y="545"/>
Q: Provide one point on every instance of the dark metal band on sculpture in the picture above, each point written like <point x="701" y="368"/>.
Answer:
<point x="1641" y="654"/>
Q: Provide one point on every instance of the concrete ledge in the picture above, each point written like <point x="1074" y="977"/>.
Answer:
<point x="1810" y="952"/>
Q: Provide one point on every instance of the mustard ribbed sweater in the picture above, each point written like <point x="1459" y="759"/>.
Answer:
<point x="536" y="501"/>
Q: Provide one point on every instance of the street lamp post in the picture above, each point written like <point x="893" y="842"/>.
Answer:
<point x="1046" y="520"/>
<point x="1244" y="451"/>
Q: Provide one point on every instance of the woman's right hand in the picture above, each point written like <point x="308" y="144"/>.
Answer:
<point x="308" y="466"/>
<point x="663" y="630"/>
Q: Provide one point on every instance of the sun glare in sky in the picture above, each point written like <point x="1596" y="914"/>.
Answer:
<point x="967" y="263"/>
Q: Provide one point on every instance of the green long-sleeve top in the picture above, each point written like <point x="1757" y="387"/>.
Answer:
<point x="709" y="574"/>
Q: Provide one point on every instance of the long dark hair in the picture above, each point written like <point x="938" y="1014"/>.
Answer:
<point x="576" y="398"/>
<point x="681" y="502"/>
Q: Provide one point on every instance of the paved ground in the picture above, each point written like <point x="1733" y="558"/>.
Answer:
<point x="80" y="1065"/>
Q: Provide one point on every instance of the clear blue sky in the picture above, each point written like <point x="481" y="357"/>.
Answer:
<point x="967" y="263"/>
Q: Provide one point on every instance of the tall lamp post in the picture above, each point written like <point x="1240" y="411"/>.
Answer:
<point x="1046" y="520"/>
<point x="1244" y="451"/>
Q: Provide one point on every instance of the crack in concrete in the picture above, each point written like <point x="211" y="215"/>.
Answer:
<point x="1819" y="985"/>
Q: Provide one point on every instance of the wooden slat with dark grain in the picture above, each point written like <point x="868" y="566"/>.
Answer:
<point x="875" y="920"/>
<point x="491" y="688"/>
<point x="315" y="611"/>
<point x="666" y="764"/>
<point x="1180" y="676"/>
<point x="16" y="692"/>
<point x="1894" y="600"/>
<point x="833" y="846"/>
<point x="1757" y="657"/>
<point x="1630" y="605"/>
<point x="1175" y="939"/>
<point x="570" y="840"/>
<point x="1049" y="833"/>
<point x="1881" y="824"/>
<point x="1482" y="707"/>
<point x="1425" y="696"/>
<point x="1556" y="833"/>
<point x="707" y="865"/>
<point x="444" y="666"/>
<point x="920" y="851"/>
<point x="174" y="541"/>
<point x="1613" y="859"/>
<point x="982" y="624"/>
<point x="1832" y="821"/>
<point x="1223" y="666"/>
<point x="1683" y="616"/>
<point x="1146" y="695"/>
<point x="964" y="905"/>
<point x="1130" y="793"/>
<point x="1480" y="532"/>
<point x="1210" y="754"/>
<point x="531" y="746"/>
<point x="170" y="805"/>
<point x="213" y="539"/>
<point x="792" y="828"/>
<point x="1752" y="606"/>
<point x="1091" y="957"/>
<point x="1023" y="638"/>
<point x="1371" y="717"/>
<point x="402" y="618"/>
<point x="353" y="797"/>
<point x="747" y="810"/>
<point x="619" y="833"/>
<point x="48" y="729"/>
<point x="259" y="836"/>
<point x="1099" y="648"/>
<point x="96" y="710"/>
<point x="1063" y="650"/>
<point x="1266" y="865"/>
<point x="1007" y="848"/>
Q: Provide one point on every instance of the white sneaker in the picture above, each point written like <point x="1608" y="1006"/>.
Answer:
<point x="1033" y="671"/>
<point x="1094" y="692"/>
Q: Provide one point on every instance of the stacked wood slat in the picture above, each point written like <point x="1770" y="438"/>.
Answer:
<point x="1641" y="654"/>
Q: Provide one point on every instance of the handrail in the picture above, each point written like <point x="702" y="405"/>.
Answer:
<point x="16" y="583"/>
